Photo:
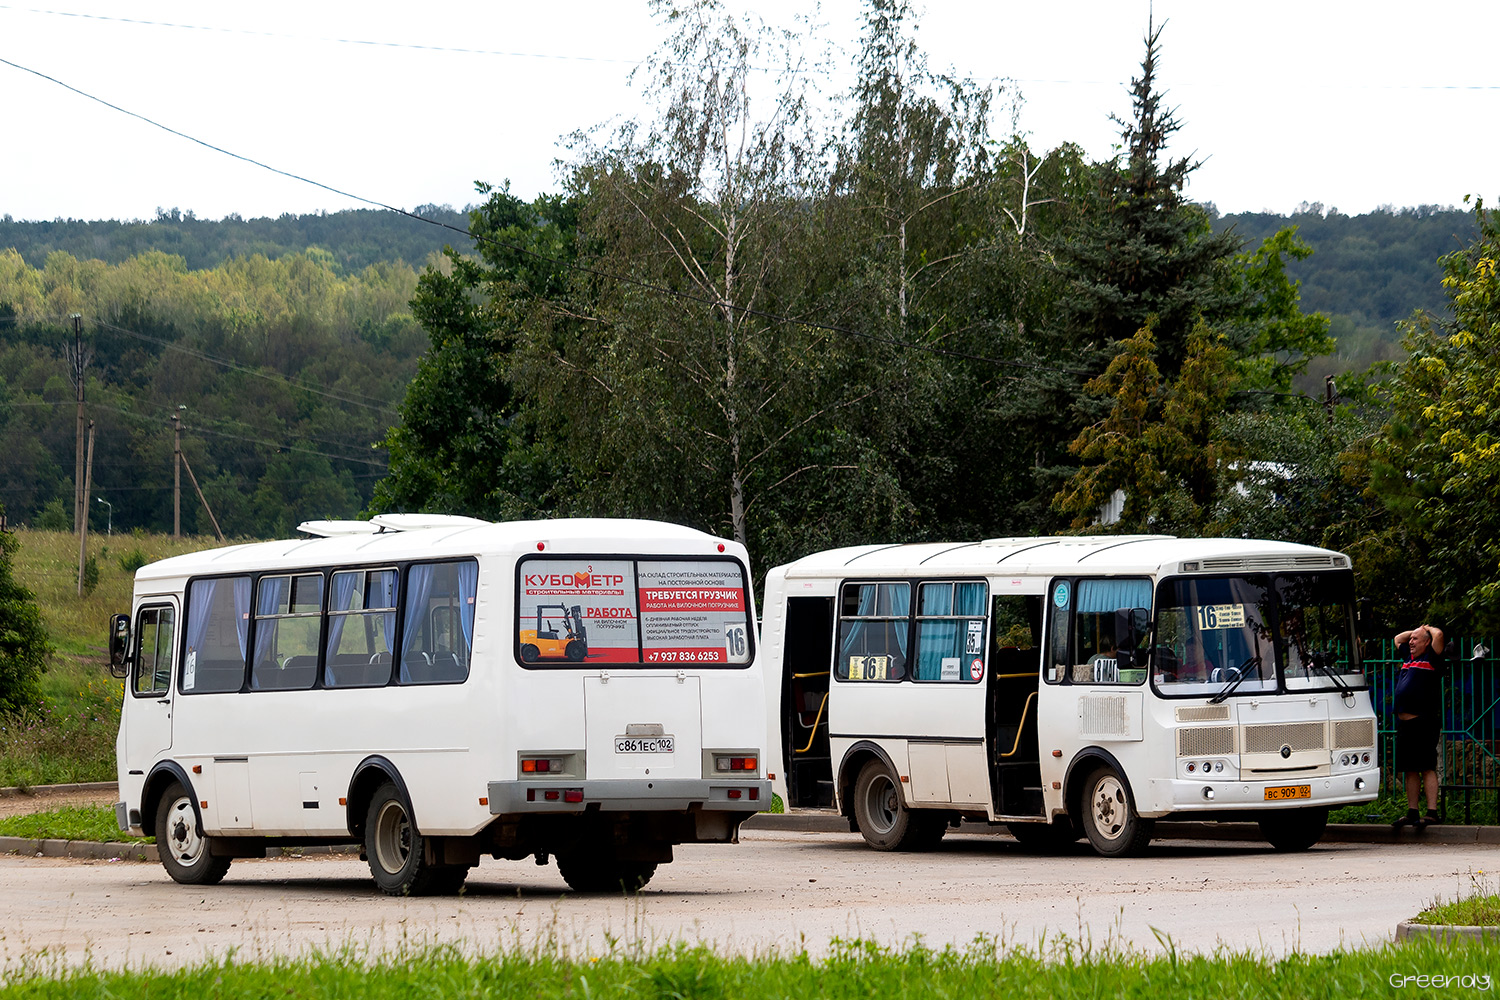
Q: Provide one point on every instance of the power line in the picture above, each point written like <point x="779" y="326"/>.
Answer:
<point x="571" y="265"/>
<point x="246" y="369"/>
<point x="373" y="43"/>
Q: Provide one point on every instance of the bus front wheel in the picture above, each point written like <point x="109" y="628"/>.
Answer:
<point x="398" y="853"/>
<point x="886" y="823"/>
<point x="1109" y="817"/>
<point x="1294" y="829"/>
<point x="180" y="843"/>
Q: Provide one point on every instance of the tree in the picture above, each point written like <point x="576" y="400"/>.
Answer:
<point x="23" y="639"/>
<point x="1438" y="463"/>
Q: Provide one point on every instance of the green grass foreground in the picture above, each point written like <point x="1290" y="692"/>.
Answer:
<point x="96" y="823"/>
<point x="1060" y="969"/>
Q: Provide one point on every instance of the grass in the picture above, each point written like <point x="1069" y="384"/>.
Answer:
<point x="72" y="737"/>
<point x="853" y="969"/>
<point x="95" y="823"/>
<point x="1473" y="906"/>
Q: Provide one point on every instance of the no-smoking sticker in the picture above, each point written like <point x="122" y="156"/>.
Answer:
<point x="976" y="668"/>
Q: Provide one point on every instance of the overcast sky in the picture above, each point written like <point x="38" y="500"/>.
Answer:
<point x="1354" y="105"/>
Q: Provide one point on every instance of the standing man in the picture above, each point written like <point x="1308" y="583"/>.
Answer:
<point x="1419" y="718"/>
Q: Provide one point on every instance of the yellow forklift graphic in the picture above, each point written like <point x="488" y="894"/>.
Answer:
<point x="544" y="642"/>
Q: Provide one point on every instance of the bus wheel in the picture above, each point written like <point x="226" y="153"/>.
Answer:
<point x="576" y="650"/>
<point x="397" y="852"/>
<point x="1294" y="829"/>
<point x="182" y="847"/>
<point x="529" y="652"/>
<point x="884" y="820"/>
<point x="585" y="871"/>
<point x="1109" y="817"/>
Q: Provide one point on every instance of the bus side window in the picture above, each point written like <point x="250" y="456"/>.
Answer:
<point x="437" y="626"/>
<point x="1059" y="612"/>
<point x="874" y="632"/>
<point x="155" y="630"/>
<point x="1100" y="631"/>
<point x="218" y="625"/>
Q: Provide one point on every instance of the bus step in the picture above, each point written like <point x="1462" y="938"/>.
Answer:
<point x="825" y="795"/>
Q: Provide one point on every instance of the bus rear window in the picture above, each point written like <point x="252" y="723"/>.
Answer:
<point x="578" y="610"/>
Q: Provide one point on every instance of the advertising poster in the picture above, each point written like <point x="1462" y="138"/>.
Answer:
<point x="577" y="610"/>
<point x="693" y="612"/>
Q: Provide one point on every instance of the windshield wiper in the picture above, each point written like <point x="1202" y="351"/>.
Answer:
<point x="1316" y="661"/>
<point x="1240" y="674"/>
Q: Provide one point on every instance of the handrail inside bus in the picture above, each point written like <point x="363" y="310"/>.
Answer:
<point x="799" y="677"/>
<point x="814" y="734"/>
<point x="1011" y="677"/>
<point x="1020" y="726"/>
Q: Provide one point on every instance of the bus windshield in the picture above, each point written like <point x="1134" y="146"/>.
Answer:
<point x="1254" y="635"/>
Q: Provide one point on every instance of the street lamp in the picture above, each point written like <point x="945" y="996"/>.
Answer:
<point x="110" y="523"/>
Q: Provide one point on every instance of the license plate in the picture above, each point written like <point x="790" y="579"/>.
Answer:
<point x="638" y="744"/>
<point x="1289" y="792"/>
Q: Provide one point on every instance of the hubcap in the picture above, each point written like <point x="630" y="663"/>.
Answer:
<point x="1110" y="809"/>
<point x="392" y="837"/>
<point x="182" y="832"/>
<point x="881" y="804"/>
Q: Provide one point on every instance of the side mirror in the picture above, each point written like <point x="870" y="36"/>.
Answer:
<point x="119" y="645"/>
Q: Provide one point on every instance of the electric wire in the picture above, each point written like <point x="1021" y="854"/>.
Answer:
<point x="659" y="289"/>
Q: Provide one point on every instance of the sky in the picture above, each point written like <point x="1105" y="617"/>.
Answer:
<point x="1350" y="105"/>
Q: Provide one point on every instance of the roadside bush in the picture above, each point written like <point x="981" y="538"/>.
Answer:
<point x="23" y="639"/>
<point x="133" y="560"/>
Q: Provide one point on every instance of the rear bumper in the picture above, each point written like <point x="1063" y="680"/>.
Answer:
<point x="630" y="795"/>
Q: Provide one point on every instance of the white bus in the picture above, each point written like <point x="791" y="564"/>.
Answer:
<point x="439" y="688"/>
<point x="1067" y="687"/>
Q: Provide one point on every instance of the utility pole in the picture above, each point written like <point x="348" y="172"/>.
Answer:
<point x="1330" y="396"/>
<point x="83" y="531"/>
<point x="177" y="473"/>
<point x="80" y="497"/>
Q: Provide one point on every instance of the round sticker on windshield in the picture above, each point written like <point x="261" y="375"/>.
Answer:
<point x="1060" y="594"/>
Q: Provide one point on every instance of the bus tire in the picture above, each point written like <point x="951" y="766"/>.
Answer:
<point x="585" y="871"/>
<point x="886" y="823"/>
<point x="180" y="843"/>
<point x="529" y="652"/>
<point x="1294" y="829"/>
<point x="576" y="650"/>
<point x="396" y="851"/>
<point x="1109" y="817"/>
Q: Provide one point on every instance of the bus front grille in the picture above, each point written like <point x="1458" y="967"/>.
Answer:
<point x="1353" y="733"/>
<point x="1200" y="740"/>
<point x="1272" y="737"/>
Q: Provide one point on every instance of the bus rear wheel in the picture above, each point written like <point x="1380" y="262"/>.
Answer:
<point x="1109" y="817"/>
<point x="180" y="843"/>
<point x="1294" y="829"/>
<point x="885" y="821"/>
<point x="398" y="853"/>
<point x="585" y="871"/>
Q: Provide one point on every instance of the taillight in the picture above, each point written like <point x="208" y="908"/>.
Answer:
<point x="727" y="763"/>
<point x="541" y="765"/>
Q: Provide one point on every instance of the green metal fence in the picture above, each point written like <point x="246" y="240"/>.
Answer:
<point x="1469" y="761"/>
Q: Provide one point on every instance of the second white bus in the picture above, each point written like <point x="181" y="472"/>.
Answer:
<point x="440" y="688"/>
<point x="1072" y="686"/>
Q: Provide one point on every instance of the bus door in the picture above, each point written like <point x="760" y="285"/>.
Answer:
<point x="148" y="720"/>
<point x="807" y="645"/>
<point x="1011" y="704"/>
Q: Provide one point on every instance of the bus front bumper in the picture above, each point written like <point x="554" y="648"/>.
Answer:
<point x="747" y="795"/>
<point x="1179" y="795"/>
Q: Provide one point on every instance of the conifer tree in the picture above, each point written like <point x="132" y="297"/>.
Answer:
<point x="23" y="639"/>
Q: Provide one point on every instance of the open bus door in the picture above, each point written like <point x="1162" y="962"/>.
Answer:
<point x="806" y="658"/>
<point x="1011" y="705"/>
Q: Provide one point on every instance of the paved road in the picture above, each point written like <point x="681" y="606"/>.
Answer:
<point x="775" y="890"/>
